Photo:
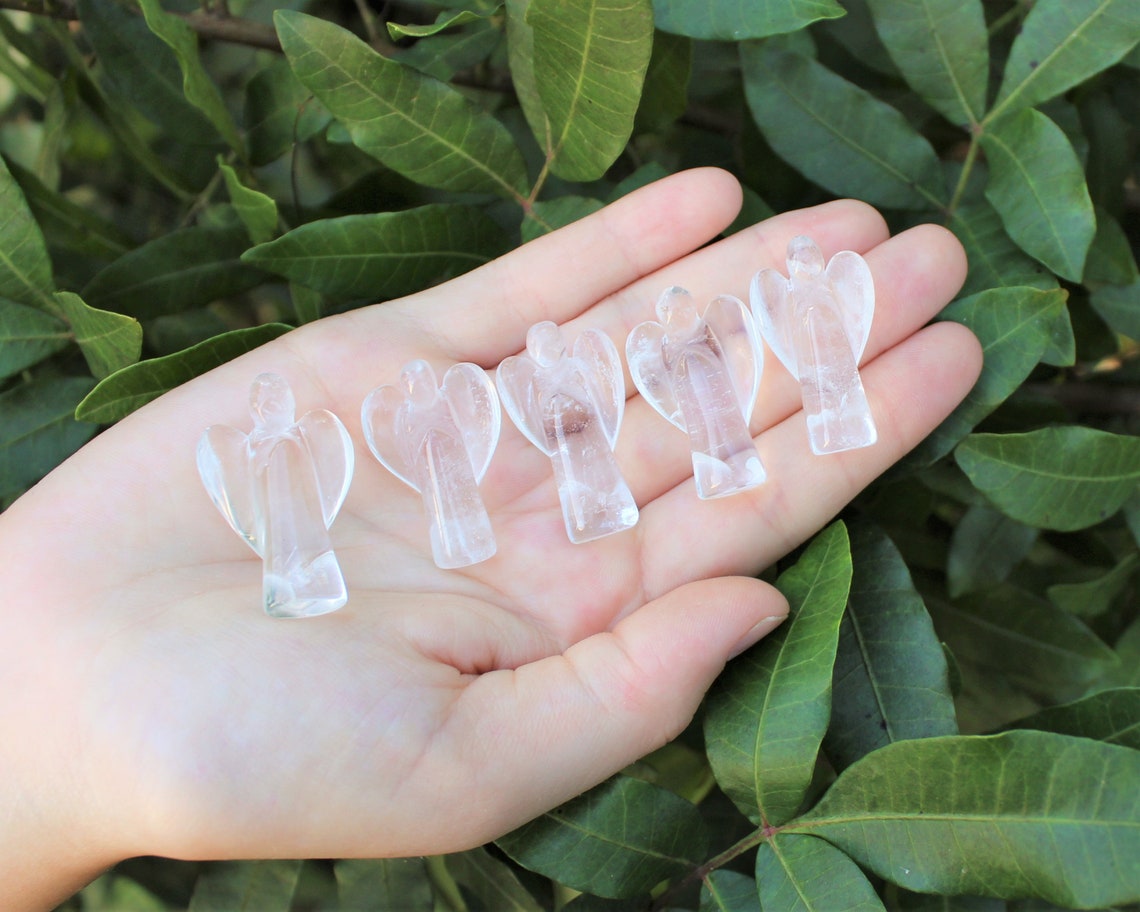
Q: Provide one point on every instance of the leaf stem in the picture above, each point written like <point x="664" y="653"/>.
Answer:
<point x="700" y="872"/>
<point x="964" y="177"/>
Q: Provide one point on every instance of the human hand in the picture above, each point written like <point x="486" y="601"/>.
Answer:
<point x="152" y="707"/>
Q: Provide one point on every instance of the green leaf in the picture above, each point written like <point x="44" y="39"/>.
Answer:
<point x="491" y="881"/>
<point x="383" y="884"/>
<point x="1119" y="307"/>
<point x="769" y="710"/>
<point x="1110" y="715"/>
<point x="617" y="840"/>
<point x="418" y="126"/>
<point x="805" y="874"/>
<point x="995" y="259"/>
<point x="27" y="336"/>
<point x="25" y="270"/>
<point x="551" y="215"/>
<point x="890" y="680"/>
<point x="447" y="54"/>
<point x="985" y="546"/>
<point x="109" y="341"/>
<point x="237" y="886"/>
<point x="383" y="255"/>
<point x="1094" y="597"/>
<point x="734" y="20"/>
<point x="836" y="133"/>
<point x="279" y="112"/>
<point x="520" y="51"/>
<point x="1110" y="260"/>
<point x="590" y="58"/>
<point x="665" y="95"/>
<point x="1062" y="478"/>
<point x="1038" y="187"/>
<point x="1016" y="814"/>
<point x="942" y="50"/>
<point x="445" y="20"/>
<point x="199" y="89"/>
<point x="1062" y="43"/>
<point x="39" y="431"/>
<point x="135" y="386"/>
<point x="727" y="891"/>
<point x="1015" y="326"/>
<point x="189" y="267"/>
<point x="257" y="211"/>
<point x="141" y="70"/>
<point x="1031" y="641"/>
<point x="308" y="305"/>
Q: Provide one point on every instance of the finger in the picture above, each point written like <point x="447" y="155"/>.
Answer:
<point x="609" y="699"/>
<point x="911" y="388"/>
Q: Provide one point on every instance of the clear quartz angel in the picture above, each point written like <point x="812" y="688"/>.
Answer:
<point x="439" y="439"/>
<point x="570" y="406"/>
<point x="702" y="373"/>
<point x="280" y="486"/>
<point x="817" y="322"/>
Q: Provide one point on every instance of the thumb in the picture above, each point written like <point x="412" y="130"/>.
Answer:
<point x="555" y="727"/>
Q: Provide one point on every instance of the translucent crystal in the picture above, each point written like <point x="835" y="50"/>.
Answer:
<point x="702" y="372"/>
<point x="280" y="486"/>
<point x="570" y="406"/>
<point x="439" y="439"/>
<point x="817" y="322"/>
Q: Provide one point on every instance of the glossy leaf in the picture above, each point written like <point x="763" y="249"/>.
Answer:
<point x="995" y="259"/>
<point x="383" y="884"/>
<point x="1061" y="478"/>
<point x="491" y="881"/>
<point x="39" y="431"/>
<point x="1038" y="187"/>
<point x="617" y="840"/>
<point x="25" y="270"/>
<point x="590" y="58"/>
<point x="189" y="267"/>
<point x="1015" y="326"/>
<point x="1045" y="650"/>
<point x="279" y="111"/>
<point x="890" y="680"/>
<point x="942" y="50"/>
<point x="133" y="387"/>
<point x="257" y="211"/>
<point x="1093" y="597"/>
<point x="109" y="341"/>
<point x="728" y="891"/>
<point x="200" y="90"/>
<point x="768" y="712"/>
<point x="27" y="336"/>
<point x="383" y="255"/>
<point x="1062" y="43"/>
<point x="985" y="546"/>
<point x="805" y="874"/>
<point x="1110" y="715"/>
<point x="1029" y="814"/>
<point x="416" y="125"/>
<point x="734" y="20"/>
<point x="267" y="886"/>
<point x="836" y="133"/>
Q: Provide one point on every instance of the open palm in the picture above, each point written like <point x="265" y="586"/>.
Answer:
<point x="439" y="709"/>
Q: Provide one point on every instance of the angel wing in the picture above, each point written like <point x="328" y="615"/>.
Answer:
<point x="771" y="301"/>
<point x="224" y="465"/>
<point x="603" y="378"/>
<point x="382" y="419"/>
<point x="518" y="391"/>
<point x="731" y="324"/>
<point x="643" y="353"/>
<point x="474" y="408"/>
<point x="849" y="278"/>
<point x="333" y="458"/>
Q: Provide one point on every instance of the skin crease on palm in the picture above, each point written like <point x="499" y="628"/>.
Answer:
<point x="148" y="705"/>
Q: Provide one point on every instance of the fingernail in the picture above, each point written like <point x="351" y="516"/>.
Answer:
<point x="756" y="633"/>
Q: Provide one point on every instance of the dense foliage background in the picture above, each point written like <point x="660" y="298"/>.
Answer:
<point x="954" y="709"/>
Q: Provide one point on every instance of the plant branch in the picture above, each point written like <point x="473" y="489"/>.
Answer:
<point x="206" y="24"/>
<point x="700" y="872"/>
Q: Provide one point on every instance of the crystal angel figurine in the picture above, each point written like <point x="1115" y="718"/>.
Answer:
<point x="570" y="406"/>
<point x="702" y="373"/>
<point x="280" y="486"/>
<point x="816" y="322"/>
<point x="439" y="439"/>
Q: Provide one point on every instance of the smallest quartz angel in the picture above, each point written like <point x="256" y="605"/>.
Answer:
<point x="817" y="322"/>
<point x="279" y="487"/>
<point x="702" y="373"/>
<point x="438" y="438"/>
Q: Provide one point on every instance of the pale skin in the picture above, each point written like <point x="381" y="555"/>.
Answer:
<point x="148" y="706"/>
